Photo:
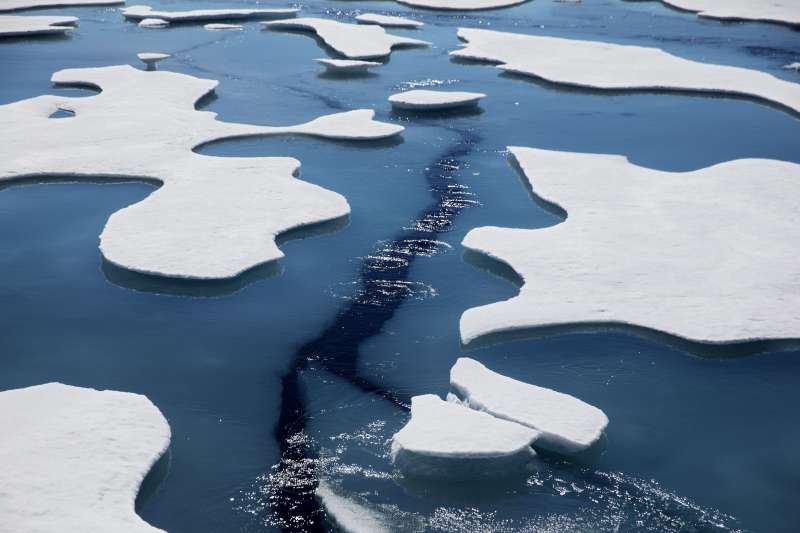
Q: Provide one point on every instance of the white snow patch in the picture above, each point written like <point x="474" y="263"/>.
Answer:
<point x="567" y="424"/>
<point x="446" y="439"/>
<point x="143" y="12"/>
<point x="777" y="11"/>
<point x="461" y="5"/>
<point x="22" y="26"/>
<point x="17" y="5"/>
<point x="214" y="217"/>
<point x="388" y="21"/>
<point x="219" y="26"/>
<point x="354" y="41"/>
<point x="708" y="255"/>
<point x="74" y="458"/>
<point x="347" y="65"/>
<point x="600" y="65"/>
<point x="153" y="23"/>
<point x="423" y="99"/>
<point x="348" y="514"/>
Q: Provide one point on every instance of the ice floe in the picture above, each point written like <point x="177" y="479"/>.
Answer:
<point x="25" y="25"/>
<point x="793" y="66"/>
<point x="151" y="58"/>
<point x="708" y="255"/>
<point x="777" y="11"/>
<point x="220" y="26"/>
<point x="74" y="458"/>
<point x="199" y="15"/>
<point x="598" y="65"/>
<point x="354" y="41"/>
<point x="567" y="424"/>
<point x="349" y="515"/>
<point x="388" y="21"/>
<point x="461" y="5"/>
<point x="423" y="99"/>
<point x="213" y="217"/>
<point x="448" y="440"/>
<point x="349" y="66"/>
<point x="18" y="5"/>
<point x="153" y="23"/>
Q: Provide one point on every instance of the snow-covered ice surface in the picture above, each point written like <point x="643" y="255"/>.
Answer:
<point x="153" y="23"/>
<point x="18" y="5"/>
<point x="565" y="423"/>
<point x="424" y="99"/>
<point x="221" y="26"/>
<point x="388" y="21"/>
<point x="777" y="11"/>
<point x="199" y="15"/>
<point x="347" y="65"/>
<point x="705" y="260"/>
<point x="461" y="5"/>
<point x="25" y="25"/>
<point x="598" y="65"/>
<point x="448" y="440"/>
<point x="74" y="458"/>
<point x="354" y="41"/>
<point x="143" y="126"/>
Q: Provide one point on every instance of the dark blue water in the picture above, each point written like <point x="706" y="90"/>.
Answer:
<point x="694" y="443"/>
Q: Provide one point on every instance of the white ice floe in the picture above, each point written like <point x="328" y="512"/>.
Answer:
<point x="153" y="23"/>
<point x="214" y="217"/>
<point x="423" y="99"/>
<point x="24" y="25"/>
<point x="354" y="41"/>
<point x="598" y="65"/>
<point x="74" y="458"/>
<point x="17" y="5"/>
<point x="446" y="439"/>
<point x="349" y="66"/>
<point x="151" y="58"/>
<point x="461" y="5"/>
<point x="708" y="255"/>
<point x="198" y="15"/>
<point x="793" y="66"/>
<point x="777" y="11"/>
<point x="388" y="21"/>
<point x="349" y="515"/>
<point x="567" y="424"/>
<point x="220" y="26"/>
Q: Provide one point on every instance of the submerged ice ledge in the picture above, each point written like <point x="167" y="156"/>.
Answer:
<point x="213" y="217"/>
<point x="18" y="5"/>
<point x="204" y="15"/>
<point x="423" y="99"/>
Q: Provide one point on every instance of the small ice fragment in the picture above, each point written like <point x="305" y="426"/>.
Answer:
<point x="387" y="21"/>
<point x="423" y="99"/>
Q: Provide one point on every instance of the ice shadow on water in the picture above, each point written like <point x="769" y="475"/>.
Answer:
<point x="442" y="114"/>
<point x="332" y="52"/>
<point x="152" y="481"/>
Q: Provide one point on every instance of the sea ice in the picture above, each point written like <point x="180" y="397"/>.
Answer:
<point x="153" y="23"/>
<point x="18" y="5"/>
<point x="74" y="458"/>
<point x="349" y="66"/>
<point x="349" y="515"/>
<point x="387" y="21"/>
<point x="448" y="440"/>
<point x="599" y="65"/>
<point x="151" y="58"/>
<point x="197" y="15"/>
<point x="423" y="99"/>
<point x="213" y="217"/>
<point x="354" y="41"/>
<point x="708" y="255"/>
<point x="461" y="5"/>
<point x="793" y="66"/>
<point x="24" y="25"/>
<point x="220" y="26"/>
<point x="777" y="11"/>
<point x="566" y="424"/>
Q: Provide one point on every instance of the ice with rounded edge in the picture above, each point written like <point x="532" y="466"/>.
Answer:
<point x="213" y="217"/>
<point x="598" y="65"/>
<point x="461" y="5"/>
<point x="354" y="41"/>
<point x="566" y="424"/>
<point x="347" y="65"/>
<point x="143" y="12"/>
<point x="349" y="515"/>
<point x="25" y="25"/>
<point x="153" y="23"/>
<point x="18" y="5"/>
<point x="151" y="58"/>
<point x="423" y="99"/>
<point x="709" y="255"/>
<point x="776" y="11"/>
<point x="388" y="21"/>
<point x="218" y="27"/>
<point x="793" y="66"/>
<point x="74" y="458"/>
<point x="448" y="440"/>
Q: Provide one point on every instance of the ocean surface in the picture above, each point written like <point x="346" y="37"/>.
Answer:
<point x="303" y="372"/>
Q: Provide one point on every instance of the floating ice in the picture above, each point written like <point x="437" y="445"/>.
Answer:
<point x="153" y="23"/>
<point x="349" y="66"/>
<point x="74" y="458"/>
<point x="214" y="217"/>
<point x="349" y="515"/>
<point x="220" y="26"/>
<point x="17" y="5"/>
<point x="151" y="58"/>
<point x="461" y="5"/>
<point x="777" y="11"/>
<point x="709" y="255"/>
<point x="599" y="65"/>
<point x="143" y="12"/>
<point x="22" y="26"/>
<point x="354" y="41"/>
<point x="387" y="21"/>
<point x="423" y="99"/>
<point x="446" y="439"/>
<point x="566" y="424"/>
<point x="793" y="66"/>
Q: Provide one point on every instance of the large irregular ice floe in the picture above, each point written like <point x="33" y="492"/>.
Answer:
<point x="598" y="65"/>
<point x="708" y="255"/>
<point x="423" y="99"/>
<point x="388" y="21"/>
<point x="74" y="458"/>
<point x="354" y="41"/>
<point x="777" y="11"/>
<point x="349" y="66"/>
<point x="198" y="15"/>
<point x="448" y="440"/>
<point x="214" y="217"/>
<point x="349" y="515"/>
<point x="567" y="424"/>
<point x="18" y="5"/>
<point x="24" y="25"/>
<point x="461" y="5"/>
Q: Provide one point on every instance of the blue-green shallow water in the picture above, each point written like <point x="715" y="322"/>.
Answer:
<point x="692" y="442"/>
